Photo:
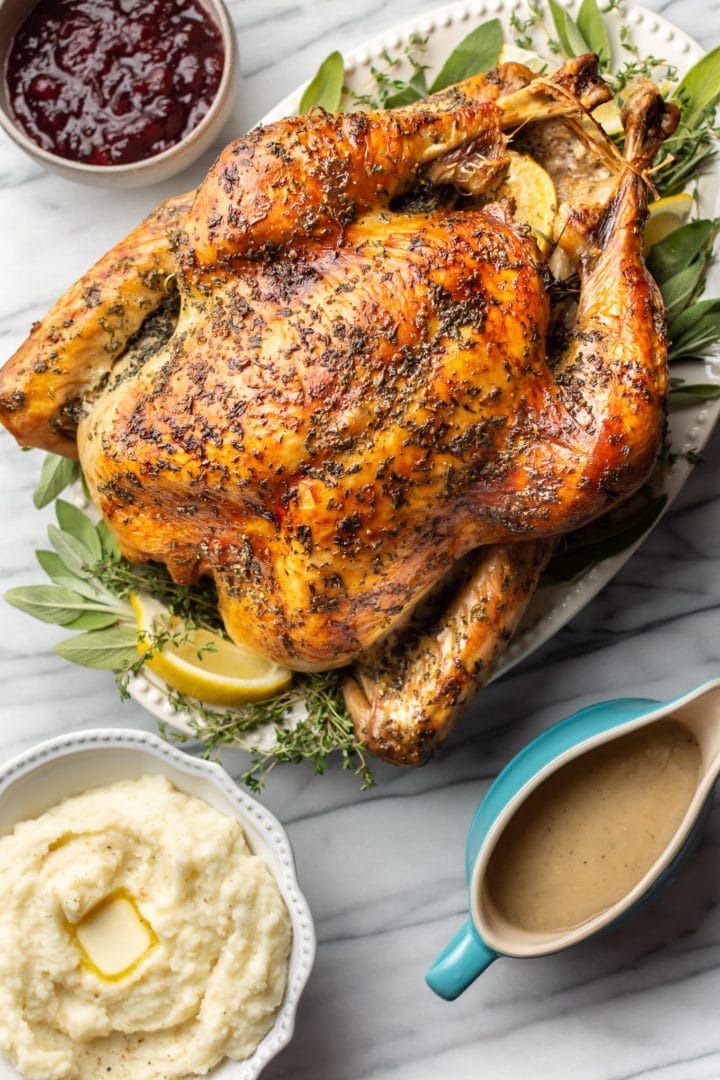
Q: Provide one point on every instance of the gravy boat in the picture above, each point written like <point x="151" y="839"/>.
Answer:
<point x="484" y="937"/>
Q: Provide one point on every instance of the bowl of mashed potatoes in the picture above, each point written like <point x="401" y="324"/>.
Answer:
<point x="152" y="925"/>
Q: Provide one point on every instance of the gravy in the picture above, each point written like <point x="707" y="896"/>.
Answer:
<point x="587" y="835"/>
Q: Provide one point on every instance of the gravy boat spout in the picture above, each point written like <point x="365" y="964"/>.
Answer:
<point x="664" y="758"/>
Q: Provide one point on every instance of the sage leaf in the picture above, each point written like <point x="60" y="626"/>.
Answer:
<point x="91" y="590"/>
<point x="414" y="90"/>
<point x="113" y="649"/>
<point x="476" y="53"/>
<point x="93" y="620"/>
<point x="571" y="39"/>
<point x="679" y="290"/>
<point x="695" y="331"/>
<point x="108" y="541"/>
<point x="325" y="89"/>
<point x="56" y="474"/>
<point x="705" y="310"/>
<point x="679" y="248"/>
<point x="53" y="566"/>
<point x="50" y="603"/>
<point x="89" y="587"/>
<point x="690" y="393"/>
<point x="76" y="556"/>
<point x="595" y="544"/>
<point x="591" y="25"/>
<point x="77" y="524"/>
<point x="700" y="89"/>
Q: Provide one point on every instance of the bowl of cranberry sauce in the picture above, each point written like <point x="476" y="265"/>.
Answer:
<point x="116" y="91"/>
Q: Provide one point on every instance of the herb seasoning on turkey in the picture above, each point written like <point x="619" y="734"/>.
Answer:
<point x="358" y="396"/>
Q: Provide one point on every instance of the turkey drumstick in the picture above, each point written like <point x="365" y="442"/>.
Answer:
<point x="407" y="691"/>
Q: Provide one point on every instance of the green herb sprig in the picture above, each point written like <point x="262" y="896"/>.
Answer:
<point x="321" y="728"/>
<point x="325" y="89"/>
<point x="90" y="586"/>
<point x="476" y="53"/>
<point x="616" y="532"/>
<point x="77" y="598"/>
<point x="587" y="34"/>
<point x="693" y="324"/>
<point x="523" y="38"/>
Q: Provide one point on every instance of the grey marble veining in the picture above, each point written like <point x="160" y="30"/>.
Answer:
<point x="383" y="871"/>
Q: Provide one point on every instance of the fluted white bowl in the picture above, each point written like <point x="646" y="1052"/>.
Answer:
<point x="70" y="764"/>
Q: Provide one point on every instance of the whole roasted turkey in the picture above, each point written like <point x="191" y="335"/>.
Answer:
<point x="354" y="420"/>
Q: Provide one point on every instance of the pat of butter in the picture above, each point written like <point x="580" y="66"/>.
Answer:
<point x="115" y="937"/>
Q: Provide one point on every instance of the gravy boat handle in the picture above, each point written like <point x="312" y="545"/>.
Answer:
<point x="464" y="958"/>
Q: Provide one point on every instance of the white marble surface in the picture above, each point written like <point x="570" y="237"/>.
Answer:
<point x="383" y="871"/>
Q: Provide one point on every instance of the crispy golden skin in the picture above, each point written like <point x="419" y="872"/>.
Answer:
<point x="406" y="692"/>
<point x="73" y="349"/>
<point x="355" y="397"/>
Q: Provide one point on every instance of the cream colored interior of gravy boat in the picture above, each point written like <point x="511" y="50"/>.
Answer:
<point x="584" y="838"/>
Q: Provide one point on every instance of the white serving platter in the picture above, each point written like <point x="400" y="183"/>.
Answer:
<point x="689" y="428"/>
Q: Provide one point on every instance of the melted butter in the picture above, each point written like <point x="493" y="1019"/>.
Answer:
<point x="114" y="937"/>
<point x="585" y="837"/>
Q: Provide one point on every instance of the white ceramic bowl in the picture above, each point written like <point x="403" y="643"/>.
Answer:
<point x="73" y="763"/>
<point x="134" y="174"/>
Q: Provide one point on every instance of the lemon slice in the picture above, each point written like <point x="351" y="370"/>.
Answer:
<point x="513" y="53"/>
<point x="665" y="215"/>
<point x="609" y="114"/>
<point x="608" y="117"/>
<point x="205" y="665"/>
<point x="535" y="197"/>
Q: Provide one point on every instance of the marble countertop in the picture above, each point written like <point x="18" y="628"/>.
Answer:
<point x="383" y="870"/>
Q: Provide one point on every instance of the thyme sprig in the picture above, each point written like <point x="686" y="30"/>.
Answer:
<point x="389" y="88"/>
<point x="196" y="605"/>
<point x="687" y="153"/>
<point x="90" y="590"/>
<point x="310" y="720"/>
<point x="523" y="38"/>
<point x="638" y="65"/>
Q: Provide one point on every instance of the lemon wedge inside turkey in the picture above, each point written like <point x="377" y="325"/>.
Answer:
<point x="665" y="216"/>
<point x="203" y="664"/>
<point x="533" y="192"/>
<point x="609" y="117"/>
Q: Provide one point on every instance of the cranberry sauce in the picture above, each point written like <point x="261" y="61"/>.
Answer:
<point x="113" y="81"/>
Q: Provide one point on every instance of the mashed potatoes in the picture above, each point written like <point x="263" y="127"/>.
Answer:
<point x="139" y="938"/>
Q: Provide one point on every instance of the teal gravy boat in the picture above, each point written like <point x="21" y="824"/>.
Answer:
<point x="484" y="937"/>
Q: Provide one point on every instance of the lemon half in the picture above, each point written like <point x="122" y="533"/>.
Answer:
<point x="665" y="216"/>
<point x="203" y="664"/>
<point x="535" y="197"/>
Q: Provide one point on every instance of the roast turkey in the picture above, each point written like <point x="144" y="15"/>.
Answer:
<point x="324" y="379"/>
